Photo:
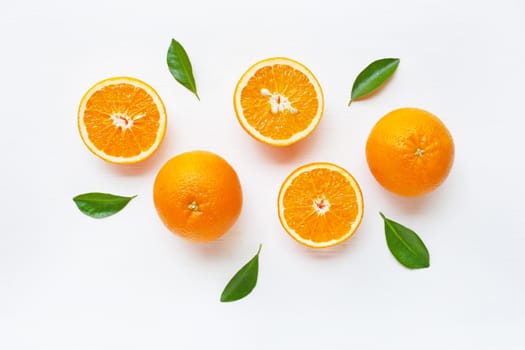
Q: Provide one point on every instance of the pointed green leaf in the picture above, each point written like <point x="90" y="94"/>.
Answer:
<point x="244" y="280"/>
<point x="100" y="205"/>
<point x="373" y="76"/>
<point x="405" y="245"/>
<point x="180" y="66"/>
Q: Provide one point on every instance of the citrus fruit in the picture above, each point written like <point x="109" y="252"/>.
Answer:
<point x="198" y="195"/>
<point x="320" y="205"/>
<point x="122" y="120"/>
<point x="278" y="101"/>
<point x="410" y="151"/>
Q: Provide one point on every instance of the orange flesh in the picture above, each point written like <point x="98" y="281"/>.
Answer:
<point x="288" y="82"/>
<point x="323" y="189"/>
<point x="131" y="105"/>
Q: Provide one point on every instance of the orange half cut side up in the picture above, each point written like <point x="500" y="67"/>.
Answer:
<point x="320" y="205"/>
<point x="278" y="101"/>
<point x="122" y="120"/>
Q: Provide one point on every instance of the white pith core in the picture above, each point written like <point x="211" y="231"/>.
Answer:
<point x="420" y="152"/>
<point x="278" y="102"/>
<point x="321" y="206"/>
<point x="122" y="121"/>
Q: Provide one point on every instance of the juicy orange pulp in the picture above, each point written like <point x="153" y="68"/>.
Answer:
<point x="278" y="101"/>
<point x="320" y="205"/>
<point x="122" y="120"/>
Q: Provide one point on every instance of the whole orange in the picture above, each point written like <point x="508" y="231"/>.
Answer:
<point x="410" y="151"/>
<point x="198" y="195"/>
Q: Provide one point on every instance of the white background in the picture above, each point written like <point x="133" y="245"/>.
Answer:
<point x="71" y="282"/>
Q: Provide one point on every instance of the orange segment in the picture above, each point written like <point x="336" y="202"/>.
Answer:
<point x="122" y="120"/>
<point x="320" y="205"/>
<point x="278" y="101"/>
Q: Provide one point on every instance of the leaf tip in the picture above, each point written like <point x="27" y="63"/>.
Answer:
<point x="226" y="299"/>
<point x="426" y="263"/>
<point x="395" y="63"/>
<point x="350" y="102"/>
<point x="382" y="215"/>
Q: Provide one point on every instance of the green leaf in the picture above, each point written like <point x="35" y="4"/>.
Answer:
<point x="180" y="66"/>
<point x="244" y="280"/>
<point x="373" y="76"/>
<point x="100" y="205"/>
<point x="405" y="245"/>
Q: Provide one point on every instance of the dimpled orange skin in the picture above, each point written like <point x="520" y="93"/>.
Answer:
<point x="198" y="195"/>
<point x="410" y="152"/>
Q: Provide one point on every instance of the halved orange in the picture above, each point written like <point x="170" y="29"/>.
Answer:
<point x="122" y="120"/>
<point x="320" y="205"/>
<point x="278" y="101"/>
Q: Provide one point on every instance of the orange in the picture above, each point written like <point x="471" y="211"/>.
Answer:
<point x="410" y="151"/>
<point x="122" y="120"/>
<point x="198" y="195"/>
<point x="278" y="101"/>
<point x="320" y="205"/>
